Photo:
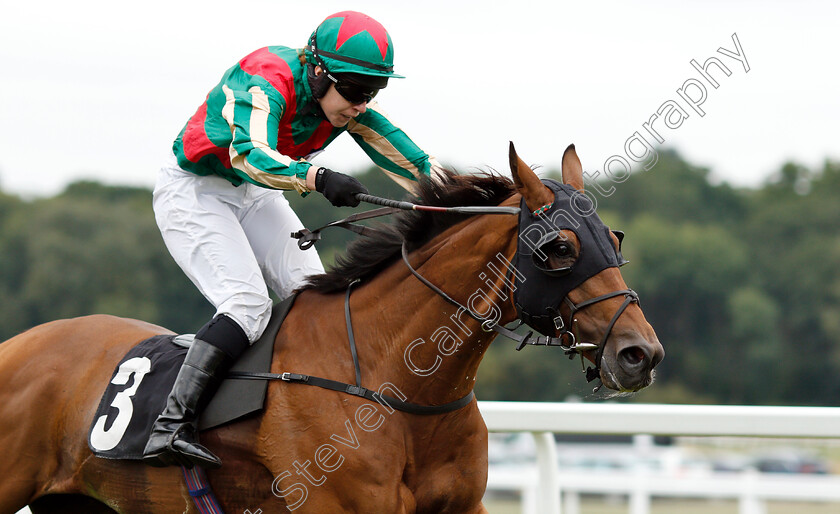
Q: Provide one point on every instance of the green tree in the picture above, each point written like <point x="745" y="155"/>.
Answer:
<point x="92" y="249"/>
<point x="674" y="190"/>
<point x="794" y="231"/>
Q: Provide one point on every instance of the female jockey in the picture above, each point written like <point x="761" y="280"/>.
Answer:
<point x="219" y="204"/>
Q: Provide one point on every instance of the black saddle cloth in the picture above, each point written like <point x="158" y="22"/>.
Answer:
<point x="137" y="392"/>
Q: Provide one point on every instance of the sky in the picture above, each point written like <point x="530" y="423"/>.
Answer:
<point x="94" y="89"/>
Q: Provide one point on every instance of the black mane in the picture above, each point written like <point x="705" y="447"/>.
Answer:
<point x="367" y="256"/>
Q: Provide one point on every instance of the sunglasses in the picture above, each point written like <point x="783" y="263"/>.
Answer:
<point x="354" y="93"/>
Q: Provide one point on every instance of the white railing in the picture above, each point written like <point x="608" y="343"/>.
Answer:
<point x="541" y="487"/>
<point x="542" y="493"/>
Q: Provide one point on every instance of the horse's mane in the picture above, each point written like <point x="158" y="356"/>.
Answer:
<point x="367" y="256"/>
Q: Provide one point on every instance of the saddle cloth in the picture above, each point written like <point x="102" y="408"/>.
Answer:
<point x="137" y="392"/>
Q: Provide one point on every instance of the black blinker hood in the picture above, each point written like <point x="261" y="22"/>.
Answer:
<point x="538" y="299"/>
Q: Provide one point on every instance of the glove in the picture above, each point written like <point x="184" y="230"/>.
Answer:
<point x="338" y="188"/>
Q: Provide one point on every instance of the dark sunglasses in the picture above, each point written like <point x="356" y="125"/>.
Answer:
<point x="354" y="93"/>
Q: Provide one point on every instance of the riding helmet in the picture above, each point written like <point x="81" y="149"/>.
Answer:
<point x="352" y="42"/>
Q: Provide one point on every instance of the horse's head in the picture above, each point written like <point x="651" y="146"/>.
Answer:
<point x="568" y="263"/>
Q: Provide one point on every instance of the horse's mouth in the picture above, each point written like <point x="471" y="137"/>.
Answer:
<point x="612" y="381"/>
<point x="608" y="378"/>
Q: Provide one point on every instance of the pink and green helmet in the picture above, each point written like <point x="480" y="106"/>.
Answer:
<point x="352" y="42"/>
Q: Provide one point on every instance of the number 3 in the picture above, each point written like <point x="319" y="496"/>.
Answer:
<point x="104" y="440"/>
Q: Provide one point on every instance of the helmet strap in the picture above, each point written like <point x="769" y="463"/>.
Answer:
<point x="318" y="84"/>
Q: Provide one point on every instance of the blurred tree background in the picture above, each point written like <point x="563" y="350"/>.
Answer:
<point x="741" y="285"/>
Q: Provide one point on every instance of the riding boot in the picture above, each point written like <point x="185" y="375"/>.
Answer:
<point x="174" y="436"/>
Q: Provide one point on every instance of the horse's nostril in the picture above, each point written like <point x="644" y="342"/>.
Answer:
<point x="632" y="356"/>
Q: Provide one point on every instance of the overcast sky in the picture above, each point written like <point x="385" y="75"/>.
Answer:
<point x="98" y="89"/>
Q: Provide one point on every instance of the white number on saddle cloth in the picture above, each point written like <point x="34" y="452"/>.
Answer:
<point x="104" y="440"/>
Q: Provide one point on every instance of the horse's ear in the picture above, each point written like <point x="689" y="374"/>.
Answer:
<point x="572" y="169"/>
<point x="536" y="194"/>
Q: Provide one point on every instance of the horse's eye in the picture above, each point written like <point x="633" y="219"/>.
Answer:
<point x="562" y="250"/>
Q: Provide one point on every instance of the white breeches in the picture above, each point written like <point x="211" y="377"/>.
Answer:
<point x="231" y="242"/>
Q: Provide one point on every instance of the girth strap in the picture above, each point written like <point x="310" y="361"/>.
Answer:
<point x="333" y="385"/>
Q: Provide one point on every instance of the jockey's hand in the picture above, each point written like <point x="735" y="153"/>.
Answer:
<point x="338" y="188"/>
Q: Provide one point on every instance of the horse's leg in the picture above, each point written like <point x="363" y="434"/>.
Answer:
<point x="21" y="449"/>
<point x="451" y="466"/>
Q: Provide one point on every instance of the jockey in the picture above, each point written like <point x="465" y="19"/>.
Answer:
<point x="219" y="204"/>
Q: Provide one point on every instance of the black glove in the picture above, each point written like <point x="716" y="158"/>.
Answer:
<point x="338" y="188"/>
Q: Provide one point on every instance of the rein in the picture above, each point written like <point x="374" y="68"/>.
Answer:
<point x="306" y="238"/>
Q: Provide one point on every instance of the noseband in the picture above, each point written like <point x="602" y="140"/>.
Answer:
<point x="630" y="296"/>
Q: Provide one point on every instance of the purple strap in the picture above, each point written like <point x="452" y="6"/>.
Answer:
<point x="200" y="490"/>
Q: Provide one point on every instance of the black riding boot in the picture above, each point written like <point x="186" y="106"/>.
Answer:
<point x="174" y="437"/>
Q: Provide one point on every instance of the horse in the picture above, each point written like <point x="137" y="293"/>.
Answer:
<point x="421" y="328"/>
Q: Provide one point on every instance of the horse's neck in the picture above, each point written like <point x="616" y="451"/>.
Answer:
<point x="415" y="339"/>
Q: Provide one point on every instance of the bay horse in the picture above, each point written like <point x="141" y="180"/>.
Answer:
<point x="320" y="451"/>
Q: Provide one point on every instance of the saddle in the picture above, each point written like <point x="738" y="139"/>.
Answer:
<point x="137" y="391"/>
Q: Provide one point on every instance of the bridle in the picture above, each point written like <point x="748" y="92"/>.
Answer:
<point x="566" y="330"/>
